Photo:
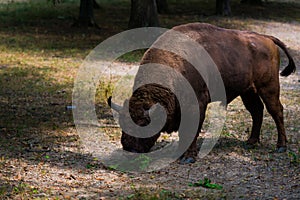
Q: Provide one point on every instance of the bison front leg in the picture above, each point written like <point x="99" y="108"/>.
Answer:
<point x="185" y="138"/>
<point x="191" y="153"/>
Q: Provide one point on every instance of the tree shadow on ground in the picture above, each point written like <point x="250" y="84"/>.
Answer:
<point x="34" y="119"/>
<point x="36" y="128"/>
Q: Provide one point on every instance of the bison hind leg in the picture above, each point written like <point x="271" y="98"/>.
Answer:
<point x="270" y="96"/>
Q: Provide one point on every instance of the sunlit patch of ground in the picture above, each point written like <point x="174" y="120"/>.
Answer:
<point x="40" y="152"/>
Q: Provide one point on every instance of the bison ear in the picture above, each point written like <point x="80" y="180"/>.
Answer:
<point x="114" y="106"/>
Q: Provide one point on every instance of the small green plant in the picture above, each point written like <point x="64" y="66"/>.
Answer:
<point x="227" y="134"/>
<point x="20" y="188"/>
<point x="143" y="161"/>
<point x="131" y="196"/>
<point x="90" y="166"/>
<point x="35" y="191"/>
<point x="207" y="184"/>
<point x="3" y="190"/>
<point x="113" y="167"/>
<point x="295" y="157"/>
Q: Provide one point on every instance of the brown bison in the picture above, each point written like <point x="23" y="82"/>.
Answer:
<point x="249" y="66"/>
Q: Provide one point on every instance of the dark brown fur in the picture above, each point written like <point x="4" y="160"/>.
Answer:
<point x="249" y="66"/>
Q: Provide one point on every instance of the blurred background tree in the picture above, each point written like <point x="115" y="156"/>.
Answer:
<point x="143" y="13"/>
<point x="223" y="7"/>
<point x="86" y="13"/>
<point x="162" y="6"/>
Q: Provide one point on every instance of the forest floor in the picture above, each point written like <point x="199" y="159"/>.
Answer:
<point x="41" y="156"/>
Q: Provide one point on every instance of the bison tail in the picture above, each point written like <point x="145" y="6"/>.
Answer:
<point x="291" y="68"/>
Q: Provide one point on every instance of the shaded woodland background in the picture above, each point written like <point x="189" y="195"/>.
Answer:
<point x="42" y="45"/>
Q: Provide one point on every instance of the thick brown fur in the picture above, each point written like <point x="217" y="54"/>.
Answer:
<point x="249" y="66"/>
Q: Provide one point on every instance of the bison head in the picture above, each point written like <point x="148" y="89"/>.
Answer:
<point x="140" y="114"/>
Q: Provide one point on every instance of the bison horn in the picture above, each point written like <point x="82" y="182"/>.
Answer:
<point x="113" y="105"/>
<point x="151" y="110"/>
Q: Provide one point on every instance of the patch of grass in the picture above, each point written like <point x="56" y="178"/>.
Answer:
<point x="27" y="12"/>
<point x="40" y="53"/>
<point x="21" y="190"/>
<point x="104" y="90"/>
<point x="40" y="27"/>
<point x="134" y="56"/>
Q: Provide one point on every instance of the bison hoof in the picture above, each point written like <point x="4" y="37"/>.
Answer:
<point x="188" y="160"/>
<point x="281" y="149"/>
<point x="249" y="146"/>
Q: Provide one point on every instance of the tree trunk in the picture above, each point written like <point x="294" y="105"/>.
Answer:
<point x="252" y="2"/>
<point x="96" y="5"/>
<point x="162" y="6"/>
<point x="223" y="7"/>
<point x="219" y="7"/>
<point x="143" y="14"/>
<point x="86" y="14"/>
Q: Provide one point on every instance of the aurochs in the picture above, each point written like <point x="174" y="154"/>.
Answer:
<point x="249" y="66"/>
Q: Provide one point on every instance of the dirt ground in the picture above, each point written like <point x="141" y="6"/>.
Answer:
<point x="42" y="169"/>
